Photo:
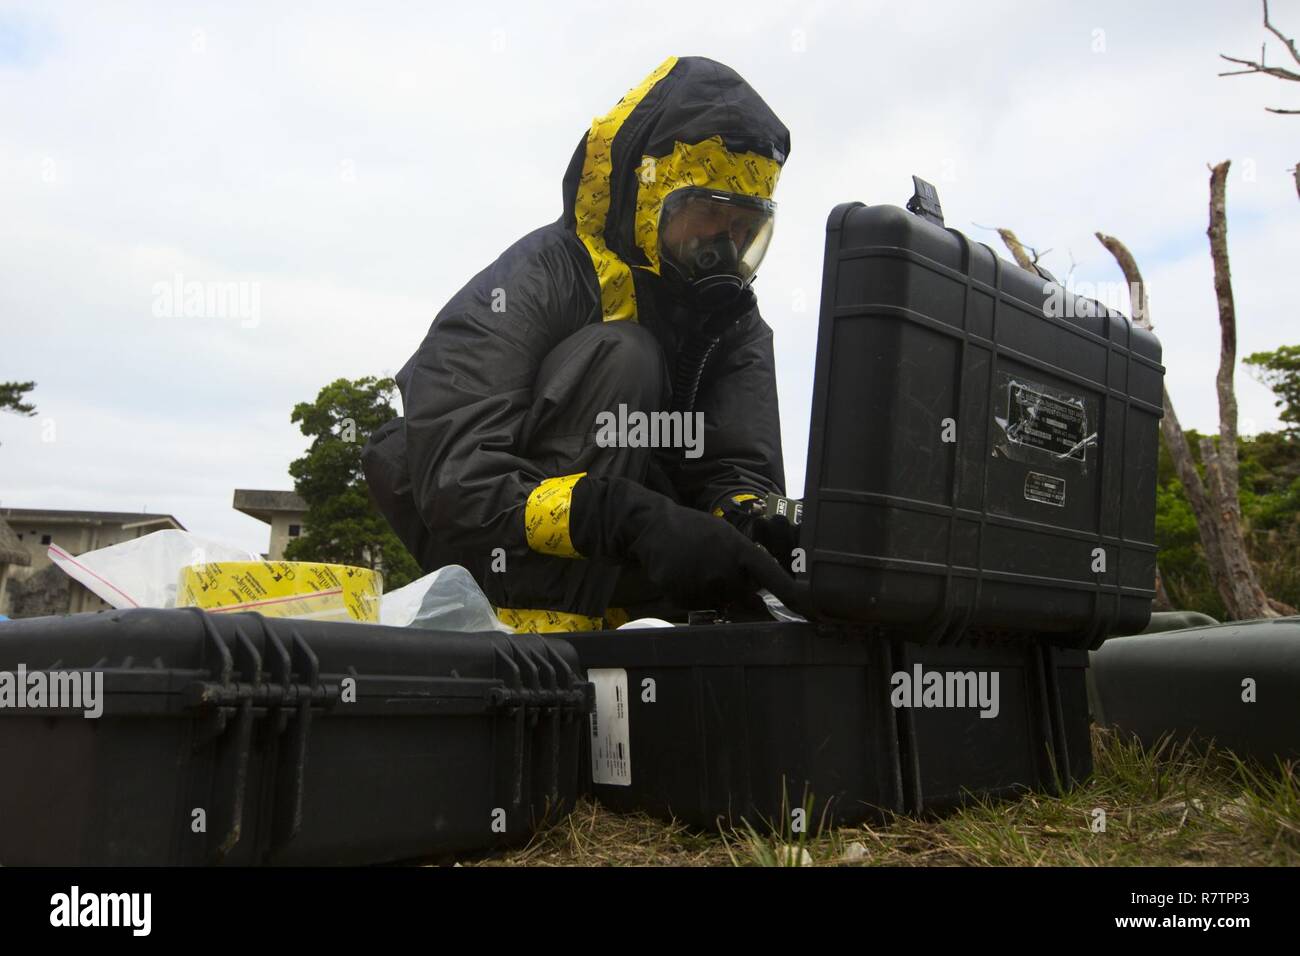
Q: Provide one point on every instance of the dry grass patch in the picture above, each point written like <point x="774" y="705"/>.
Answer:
<point x="1167" y="806"/>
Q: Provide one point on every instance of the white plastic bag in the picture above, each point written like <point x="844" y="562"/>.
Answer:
<point x="448" y="599"/>
<point x="143" y="572"/>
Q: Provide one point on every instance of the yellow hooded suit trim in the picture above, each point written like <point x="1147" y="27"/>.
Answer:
<point x="709" y="164"/>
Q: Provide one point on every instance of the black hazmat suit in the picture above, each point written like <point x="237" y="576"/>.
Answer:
<point x="501" y="398"/>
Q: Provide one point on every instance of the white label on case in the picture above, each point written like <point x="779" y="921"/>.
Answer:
<point x="1048" y="489"/>
<point x="611" y="752"/>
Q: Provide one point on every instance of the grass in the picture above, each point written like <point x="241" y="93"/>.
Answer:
<point x="1167" y="806"/>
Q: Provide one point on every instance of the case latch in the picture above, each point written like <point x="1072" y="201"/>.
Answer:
<point x="925" y="201"/>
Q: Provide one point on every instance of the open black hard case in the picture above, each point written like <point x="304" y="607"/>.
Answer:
<point x="983" y="445"/>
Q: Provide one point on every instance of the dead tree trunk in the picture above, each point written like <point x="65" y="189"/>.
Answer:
<point x="1161" y="601"/>
<point x="1249" y="599"/>
<point x="1214" y="501"/>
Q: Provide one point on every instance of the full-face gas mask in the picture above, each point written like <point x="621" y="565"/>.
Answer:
<point x="711" y="243"/>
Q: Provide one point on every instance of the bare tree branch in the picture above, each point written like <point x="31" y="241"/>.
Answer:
<point x="1017" y="250"/>
<point x="1290" y="44"/>
<point x="1136" y="287"/>
<point x="1261" y="66"/>
<point x="1027" y="257"/>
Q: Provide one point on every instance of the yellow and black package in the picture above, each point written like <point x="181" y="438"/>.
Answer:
<point x="301" y="589"/>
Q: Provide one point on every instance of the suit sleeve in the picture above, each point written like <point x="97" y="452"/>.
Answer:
<point x="467" y="392"/>
<point x="741" y="451"/>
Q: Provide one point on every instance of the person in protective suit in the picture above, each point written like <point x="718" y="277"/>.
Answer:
<point x="638" y="296"/>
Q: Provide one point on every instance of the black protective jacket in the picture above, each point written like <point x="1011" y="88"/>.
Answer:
<point x="449" y="475"/>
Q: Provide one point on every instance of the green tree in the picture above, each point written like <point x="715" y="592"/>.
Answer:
<point x="343" y="526"/>
<point x="1270" y="503"/>
<point x="11" y="397"/>
<point x="1280" y="371"/>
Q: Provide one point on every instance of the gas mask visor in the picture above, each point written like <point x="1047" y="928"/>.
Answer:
<point x="711" y="242"/>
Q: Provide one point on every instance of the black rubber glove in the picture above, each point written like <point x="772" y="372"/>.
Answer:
<point x="775" y="533"/>
<point x="698" y="559"/>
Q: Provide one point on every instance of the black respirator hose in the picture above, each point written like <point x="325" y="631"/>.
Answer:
<point x="691" y="359"/>
<point x="698" y="346"/>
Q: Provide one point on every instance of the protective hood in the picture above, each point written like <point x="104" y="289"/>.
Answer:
<point x="693" y="122"/>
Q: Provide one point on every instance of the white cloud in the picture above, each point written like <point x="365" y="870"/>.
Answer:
<point x="360" y="165"/>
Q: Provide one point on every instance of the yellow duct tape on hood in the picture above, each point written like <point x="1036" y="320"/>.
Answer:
<point x="301" y="589"/>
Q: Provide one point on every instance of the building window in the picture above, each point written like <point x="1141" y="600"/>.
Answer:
<point x="295" y="530"/>
<point x="45" y="539"/>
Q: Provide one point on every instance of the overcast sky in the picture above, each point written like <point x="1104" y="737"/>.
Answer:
<point x="359" y="162"/>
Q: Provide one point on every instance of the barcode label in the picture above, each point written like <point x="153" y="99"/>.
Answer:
<point x="611" y="751"/>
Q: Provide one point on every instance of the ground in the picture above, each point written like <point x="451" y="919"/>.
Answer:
<point x="1166" y="806"/>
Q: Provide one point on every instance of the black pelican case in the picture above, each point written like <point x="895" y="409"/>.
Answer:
<point x="983" y="443"/>
<point x="719" y="725"/>
<point x="241" y="739"/>
<point x="1236" y="684"/>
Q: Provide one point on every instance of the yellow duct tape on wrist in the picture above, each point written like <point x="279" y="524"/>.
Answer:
<point x="546" y="517"/>
<point x="735" y="499"/>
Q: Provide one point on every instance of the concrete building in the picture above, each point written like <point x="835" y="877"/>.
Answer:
<point x="76" y="532"/>
<point x="12" y="555"/>
<point x="284" y="511"/>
